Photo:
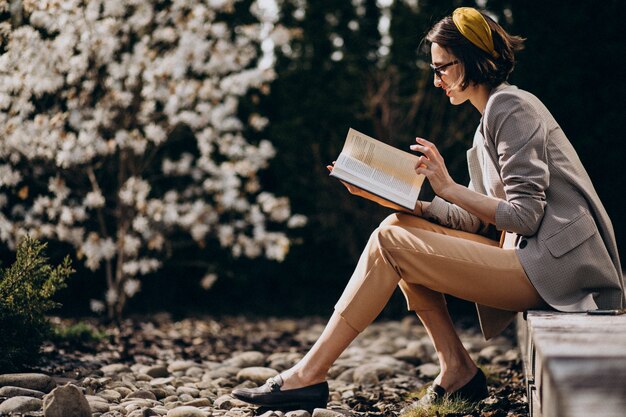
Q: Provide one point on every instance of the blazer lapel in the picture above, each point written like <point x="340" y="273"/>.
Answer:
<point x="474" y="162"/>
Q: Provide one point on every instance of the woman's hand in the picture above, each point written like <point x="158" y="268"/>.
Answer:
<point x="372" y="197"/>
<point x="432" y="165"/>
<point x="351" y="188"/>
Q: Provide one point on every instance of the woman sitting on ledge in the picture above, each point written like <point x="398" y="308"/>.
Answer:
<point x="557" y="247"/>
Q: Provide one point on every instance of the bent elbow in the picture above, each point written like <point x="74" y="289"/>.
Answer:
<point x="519" y="218"/>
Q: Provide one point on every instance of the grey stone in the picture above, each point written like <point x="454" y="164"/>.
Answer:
<point x="490" y="352"/>
<point x="110" y="395"/>
<point x="429" y="370"/>
<point x="256" y="374"/>
<point x="298" y="413"/>
<point x="186" y="411"/>
<point x="224" y="372"/>
<point x="371" y="373"/>
<point x="20" y="404"/>
<point x="9" y="392"/>
<point x="112" y="414"/>
<point x="99" y="406"/>
<point x="194" y="392"/>
<point x="161" y="381"/>
<point x="346" y="376"/>
<point x="37" y="382"/>
<point x="226" y="402"/>
<point x="144" y="394"/>
<point x="66" y="401"/>
<point x="116" y="368"/>
<point x="323" y="412"/>
<point x="269" y="414"/>
<point x="157" y="371"/>
<point x="246" y="359"/>
<point x="199" y="402"/>
<point x="180" y="366"/>
<point x="185" y="398"/>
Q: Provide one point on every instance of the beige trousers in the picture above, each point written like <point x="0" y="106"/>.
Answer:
<point x="428" y="260"/>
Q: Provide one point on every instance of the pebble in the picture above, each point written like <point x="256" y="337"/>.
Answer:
<point x="256" y="374"/>
<point x="110" y="395"/>
<point x="20" y="404"/>
<point x="186" y="411"/>
<point x="66" y="401"/>
<point x="34" y="381"/>
<point x="157" y="371"/>
<point x="298" y="413"/>
<point x="377" y="372"/>
<point x="246" y="360"/>
<point x="10" y="391"/>
<point x="226" y="402"/>
<point x="116" y="368"/>
<point x="180" y="366"/>
<point x="147" y="395"/>
<point x="370" y="373"/>
<point x="429" y="370"/>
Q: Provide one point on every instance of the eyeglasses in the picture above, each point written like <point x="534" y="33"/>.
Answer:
<point x="438" y="70"/>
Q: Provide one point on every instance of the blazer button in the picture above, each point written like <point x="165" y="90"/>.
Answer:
<point x="523" y="243"/>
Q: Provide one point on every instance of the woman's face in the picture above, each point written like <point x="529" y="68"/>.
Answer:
<point x="448" y="76"/>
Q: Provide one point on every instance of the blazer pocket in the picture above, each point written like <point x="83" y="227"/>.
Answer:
<point x="572" y="235"/>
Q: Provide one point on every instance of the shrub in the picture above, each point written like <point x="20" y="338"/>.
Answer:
<point x="26" y="291"/>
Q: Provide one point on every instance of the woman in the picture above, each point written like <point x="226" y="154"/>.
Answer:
<point x="557" y="247"/>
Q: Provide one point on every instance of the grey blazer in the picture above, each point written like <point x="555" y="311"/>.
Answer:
<point x="561" y="231"/>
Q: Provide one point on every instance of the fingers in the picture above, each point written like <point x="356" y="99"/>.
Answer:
<point x="425" y="147"/>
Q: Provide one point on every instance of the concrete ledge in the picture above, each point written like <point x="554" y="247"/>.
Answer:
<point x="575" y="363"/>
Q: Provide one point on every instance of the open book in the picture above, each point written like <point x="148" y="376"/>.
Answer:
<point x="379" y="168"/>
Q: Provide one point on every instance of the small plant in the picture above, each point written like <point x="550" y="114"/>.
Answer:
<point x="448" y="406"/>
<point x="26" y="291"/>
<point x="77" y="334"/>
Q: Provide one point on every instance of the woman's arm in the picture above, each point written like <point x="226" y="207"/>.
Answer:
<point x="518" y="135"/>
<point x="432" y="165"/>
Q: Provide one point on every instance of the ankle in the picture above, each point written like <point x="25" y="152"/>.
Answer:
<point x="453" y="378"/>
<point x="300" y="377"/>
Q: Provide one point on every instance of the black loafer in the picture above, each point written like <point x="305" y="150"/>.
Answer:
<point x="474" y="391"/>
<point x="270" y="395"/>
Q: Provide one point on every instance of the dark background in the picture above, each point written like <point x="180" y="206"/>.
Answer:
<point x="573" y="61"/>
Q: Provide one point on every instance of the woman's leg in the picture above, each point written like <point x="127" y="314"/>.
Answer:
<point x="457" y="367"/>
<point x="427" y="263"/>
<point x="312" y="369"/>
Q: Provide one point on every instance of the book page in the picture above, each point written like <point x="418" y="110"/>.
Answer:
<point x="383" y="165"/>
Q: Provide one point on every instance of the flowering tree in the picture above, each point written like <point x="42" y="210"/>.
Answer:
<point x="120" y="127"/>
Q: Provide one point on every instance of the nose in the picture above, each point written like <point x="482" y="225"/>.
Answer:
<point x="437" y="80"/>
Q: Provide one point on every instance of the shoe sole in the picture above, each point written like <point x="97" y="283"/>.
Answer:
<point x="293" y="406"/>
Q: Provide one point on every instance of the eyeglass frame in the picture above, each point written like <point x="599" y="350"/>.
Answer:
<point x="437" y="69"/>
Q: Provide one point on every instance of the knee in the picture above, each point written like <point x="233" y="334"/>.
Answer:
<point x="383" y="234"/>
<point x="394" y="219"/>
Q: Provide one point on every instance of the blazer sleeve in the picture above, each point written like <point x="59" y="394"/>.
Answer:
<point x="518" y="133"/>
<point x="453" y="216"/>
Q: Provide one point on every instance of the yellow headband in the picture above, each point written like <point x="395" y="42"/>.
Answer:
<point x="474" y="28"/>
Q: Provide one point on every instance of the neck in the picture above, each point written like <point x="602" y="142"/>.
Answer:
<point x="479" y="96"/>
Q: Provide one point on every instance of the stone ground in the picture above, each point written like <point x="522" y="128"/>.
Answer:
<point x="154" y="366"/>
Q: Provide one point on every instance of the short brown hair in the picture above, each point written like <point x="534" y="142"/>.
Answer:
<point x="478" y="66"/>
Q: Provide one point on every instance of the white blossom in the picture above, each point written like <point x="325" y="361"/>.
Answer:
<point x="92" y="99"/>
<point x="296" y="221"/>
<point x="208" y="280"/>
<point x="97" y="306"/>
<point x="132" y="287"/>
<point x="94" y="199"/>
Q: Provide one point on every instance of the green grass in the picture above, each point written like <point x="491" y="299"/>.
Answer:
<point x="77" y="334"/>
<point x="448" y="406"/>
